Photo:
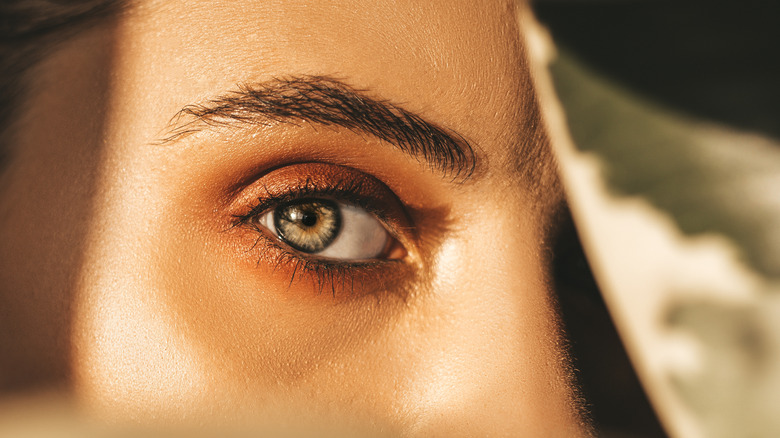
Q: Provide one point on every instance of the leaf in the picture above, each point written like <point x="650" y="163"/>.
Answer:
<point x="681" y="221"/>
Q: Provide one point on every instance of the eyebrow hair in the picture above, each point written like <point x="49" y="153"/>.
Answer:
<point x="326" y="101"/>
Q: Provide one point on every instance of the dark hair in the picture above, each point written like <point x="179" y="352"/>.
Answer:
<point x="28" y="30"/>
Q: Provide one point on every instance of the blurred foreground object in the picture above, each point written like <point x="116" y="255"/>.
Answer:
<point x="679" y="219"/>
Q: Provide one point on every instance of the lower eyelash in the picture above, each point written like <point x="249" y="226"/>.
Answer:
<point x="324" y="274"/>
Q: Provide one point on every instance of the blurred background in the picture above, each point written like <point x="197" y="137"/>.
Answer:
<point x="711" y="61"/>
<point x="715" y="60"/>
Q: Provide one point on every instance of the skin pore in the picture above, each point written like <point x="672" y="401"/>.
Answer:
<point x="141" y="269"/>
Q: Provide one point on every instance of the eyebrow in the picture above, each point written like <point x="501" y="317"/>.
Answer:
<point x="326" y="101"/>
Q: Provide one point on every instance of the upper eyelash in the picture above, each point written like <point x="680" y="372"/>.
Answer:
<point x="342" y="190"/>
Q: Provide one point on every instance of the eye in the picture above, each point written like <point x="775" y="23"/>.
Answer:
<point x="329" y="229"/>
<point x="334" y="226"/>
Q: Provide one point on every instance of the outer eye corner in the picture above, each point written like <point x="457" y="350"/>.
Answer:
<point x="396" y="250"/>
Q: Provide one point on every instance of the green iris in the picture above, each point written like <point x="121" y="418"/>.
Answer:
<point x="308" y="225"/>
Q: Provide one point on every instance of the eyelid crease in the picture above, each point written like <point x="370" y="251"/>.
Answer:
<point x="329" y="102"/>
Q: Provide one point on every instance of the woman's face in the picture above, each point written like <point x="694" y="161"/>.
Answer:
<point x="307" y="236"/>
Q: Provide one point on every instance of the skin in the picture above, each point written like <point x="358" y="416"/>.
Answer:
<point x="121" y="282"/>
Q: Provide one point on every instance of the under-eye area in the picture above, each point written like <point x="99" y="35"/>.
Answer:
<point x="332" y="227"/>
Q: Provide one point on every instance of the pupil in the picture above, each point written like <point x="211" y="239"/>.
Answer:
<point x="308" y="225"/>
<point x="309" y="219"/>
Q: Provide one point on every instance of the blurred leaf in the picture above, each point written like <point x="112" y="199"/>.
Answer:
<point x="680" y="219"/>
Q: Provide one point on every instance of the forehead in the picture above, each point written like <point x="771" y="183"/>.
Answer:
<point x="457" y="62"/>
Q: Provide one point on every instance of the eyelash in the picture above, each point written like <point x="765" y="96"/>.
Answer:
<point x="342" y="190"/>
<point x="323" y="272"/>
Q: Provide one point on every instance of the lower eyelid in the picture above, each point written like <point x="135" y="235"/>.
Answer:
<point x="285" y="270"/>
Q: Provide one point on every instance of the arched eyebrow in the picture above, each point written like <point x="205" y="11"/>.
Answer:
<point x="326" y="101"/>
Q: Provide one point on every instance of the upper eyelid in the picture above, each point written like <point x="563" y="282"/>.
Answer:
<point x="265" y="205"/>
